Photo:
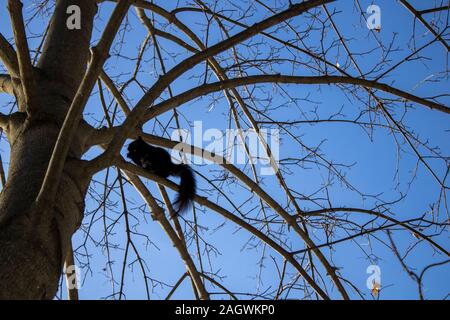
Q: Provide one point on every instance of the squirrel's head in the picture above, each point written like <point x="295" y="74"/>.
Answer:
<point x="135" y="147"/>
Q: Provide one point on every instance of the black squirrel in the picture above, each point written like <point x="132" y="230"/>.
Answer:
<point x="158" y="161"/>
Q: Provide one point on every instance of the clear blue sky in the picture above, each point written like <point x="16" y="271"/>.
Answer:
<point x="375" y="163"/>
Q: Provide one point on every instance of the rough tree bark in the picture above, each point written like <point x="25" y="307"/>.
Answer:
<point x="34" y="242"/>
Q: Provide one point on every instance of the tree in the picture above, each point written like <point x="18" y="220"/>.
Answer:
<point x="78" y="89"/>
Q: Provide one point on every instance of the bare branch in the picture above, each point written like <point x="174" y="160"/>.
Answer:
<point x="216" y="86"/>
<point x="23" y="52"/>
<point x="418" y="15"/>
<point x="8" y="57"/>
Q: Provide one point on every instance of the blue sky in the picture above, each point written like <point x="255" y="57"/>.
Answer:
<point x="374" y="159"/>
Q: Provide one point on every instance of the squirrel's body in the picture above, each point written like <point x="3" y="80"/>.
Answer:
<point x="158" y="161"/>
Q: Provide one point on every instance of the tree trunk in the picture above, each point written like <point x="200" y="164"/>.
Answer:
<point x="34" y="244"/>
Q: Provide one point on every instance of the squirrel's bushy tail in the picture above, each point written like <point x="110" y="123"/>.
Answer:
<point x="187" y="187"/>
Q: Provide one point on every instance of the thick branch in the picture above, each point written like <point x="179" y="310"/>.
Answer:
<point x="8" y="57"/>
<point x="65" y="53"/>
<point x="23" y="52"/>
<point x="216" y="86"/>
<point x="106" y="135"/>
<point x="99" y="56"/>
